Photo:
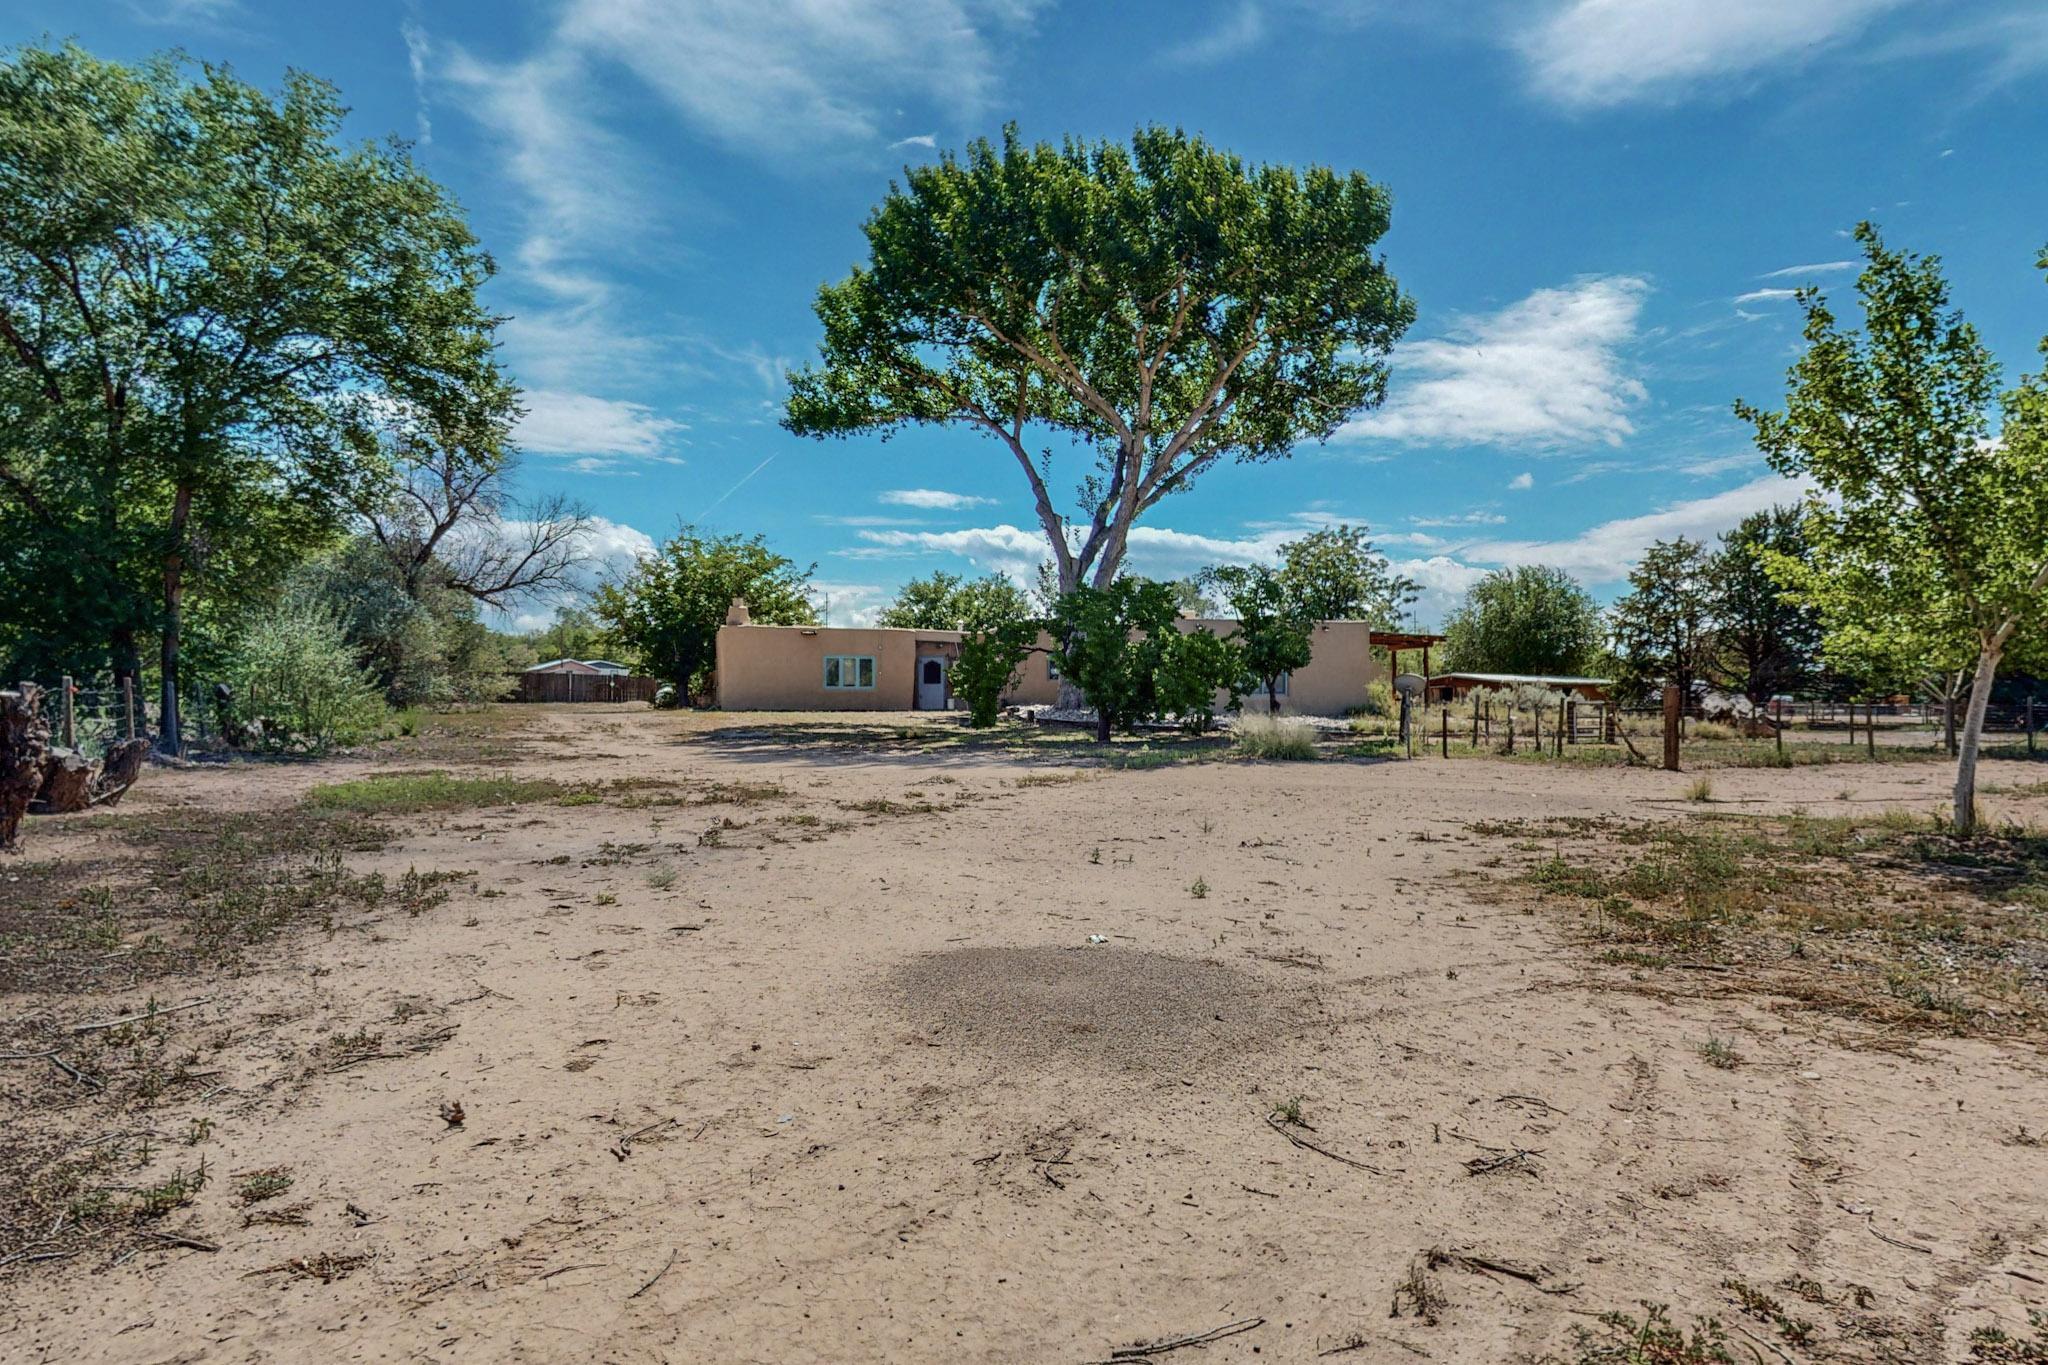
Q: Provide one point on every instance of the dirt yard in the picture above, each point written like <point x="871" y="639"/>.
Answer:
<point x="748" y="1045"/>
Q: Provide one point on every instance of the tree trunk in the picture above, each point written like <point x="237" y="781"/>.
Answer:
<point x="67" y="782"/>
<point x="1272" y="696"/>
<point x="1973" y="735"/>
<point x="123" y="765"/>
<point x="1101" y="728"/>
<point x="24" y="736"/>
<point x="169" y="737"/>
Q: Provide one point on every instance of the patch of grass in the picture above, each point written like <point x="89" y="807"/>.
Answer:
<point x="661" y="878"/>
<point x="1272" y="738"/>
<point x="1702" y="789"/>
<point x="411" y="793"/>
<point x="1050" y="779"/>
<point x="171" y="1194"/>
<point x="1655" y="1340"/>
<point x="1885" y="915"/>
<point x="1992" y="1344"/>
<point x="256" y="1186"/>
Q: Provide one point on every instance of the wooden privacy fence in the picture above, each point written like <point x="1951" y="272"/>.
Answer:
<point x="556" y="687"/>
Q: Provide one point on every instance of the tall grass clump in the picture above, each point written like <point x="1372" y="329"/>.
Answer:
<point x="1274" y="738"/>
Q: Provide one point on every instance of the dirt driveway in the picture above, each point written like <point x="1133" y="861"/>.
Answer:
<point x="845" y="1055"/>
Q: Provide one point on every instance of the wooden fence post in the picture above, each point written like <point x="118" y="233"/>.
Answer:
<point x="1563" y="715"/>
<point x="1475" y="723"/>
<point x="1870" y="715"/>
<point x="2030" y="722"/>
<point x="1673" y="708"/>
<point x="1447" y="731"/>
<point x="1511" y="731"/>
<point x="70" y="723"/>
<point x="128" y="702"/>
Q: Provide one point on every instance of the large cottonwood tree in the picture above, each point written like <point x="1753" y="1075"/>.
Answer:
<point x="1163" y="305"/>
<point x="1929" y="515"/>
<point x="205" y="299"/>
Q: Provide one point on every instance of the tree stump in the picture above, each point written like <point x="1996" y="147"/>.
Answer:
<point x="123" y="765"/>
<point x="67" y="782"/>
<point x="24" y="736"/>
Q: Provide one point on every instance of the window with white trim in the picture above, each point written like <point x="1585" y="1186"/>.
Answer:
<point x="849" y="672"/>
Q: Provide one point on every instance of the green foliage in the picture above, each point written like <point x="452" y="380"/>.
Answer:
<point x="1275" y="630"/>
<point x="1189" y="599"/>
<point x="947" y="601"/>
<point x="1163" y="305"/>
<point x="1120" y="647"/>
<point x="1765" y="642"/>
<point x="1928" y="539"/>
<point x="1663" y="626"/>
<point x="988" y="664"/>
<point x="297" y="685"/>
<point x="192" y="426"/>
<point x="1656" y="1340"/>
<point x="410" y="793"/>
<point x="421" y="645"/>
<point x="1529" y="619"/>
<point x="575" y="633"/>
<point x="667" y="611"/>
<point x="1335" y="574"/>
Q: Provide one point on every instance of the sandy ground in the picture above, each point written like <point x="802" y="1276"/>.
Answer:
<point x="886" y="1102"/>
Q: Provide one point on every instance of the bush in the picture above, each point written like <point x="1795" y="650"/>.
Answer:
<point x="1268" y="737"/>
<point x="297" y="686"/>
<point x="987" y="667"/>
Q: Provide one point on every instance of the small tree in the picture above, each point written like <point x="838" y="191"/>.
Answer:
<point x="1193" y="667"/>
<point x="1764" y="641"/>
<point x="1337" y="575"/>
<point x="297" y="684"/>
<point x="945" y="601"/>
<point x="1929" y="516"/>
<point x="1162" y="305"/>
<point x="666" y="612"/>
<point x="1528" y="619"/>
<point x="988" y="664"/>
<point x="1662" y="628"/>
<point x="1275" y="632"/>
<point x="1120" y="647"/>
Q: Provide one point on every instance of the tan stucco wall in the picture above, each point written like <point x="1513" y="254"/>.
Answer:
<point x="781" y="668"/>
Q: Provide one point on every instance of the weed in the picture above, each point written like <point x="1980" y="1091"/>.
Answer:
<point x="661" y="878"/>
<point x="257" y="1186"/>
<point x="1095" y="855"/>
<point x="409" y="793"/>
<point x="154" y="1201"/>
<point x="200" y="1129"/>
<point x="1050" y="779"/>
<point x="1717" y="1053"/>
<point x="1702" y="789"/>
<point x="606" y="898"/>
<point x="1656" y="1340"/>
<point x="1289" y="1111"/>
<point x="1764" y="1308"/>
<point x="1267" y="737"/>
<point x="1199" y="888"/>
<point x="1418" y="1294"/>
<point x="1994" y="1345"/>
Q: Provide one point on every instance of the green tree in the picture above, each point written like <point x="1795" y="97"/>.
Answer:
<point x="1162" y="305"/>
<point x="1189" y="599"/>
<point x="1194" y="665"/>
<point x="1663" y="627"/>
<point x="1765" y="643"/>
<point x="1119" y="644"/>
<point x="296" y="683"/>
<point x="206" y="303"/>
<point x="575" y="633"/>
<point x="419" y="641"/>
<point x="1275" y="632"/>
<point x="1924" y="513"/>
<point x="945" y="601"/>
<point x="1528" y="619"/>
<point x="666" y="612"/>
<point x="1337" y="575"/>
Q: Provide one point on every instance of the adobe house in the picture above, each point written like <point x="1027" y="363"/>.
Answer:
<point x="880" y="668"/>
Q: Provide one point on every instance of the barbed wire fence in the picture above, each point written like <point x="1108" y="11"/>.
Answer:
<point x="94" y="714"/>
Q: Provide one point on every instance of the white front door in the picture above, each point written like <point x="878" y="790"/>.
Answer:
<point x="931" y="684"/>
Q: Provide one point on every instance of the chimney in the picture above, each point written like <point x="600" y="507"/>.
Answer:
<point x="736" y="614"/>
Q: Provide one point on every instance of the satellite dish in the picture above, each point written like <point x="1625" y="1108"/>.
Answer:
<point x="1410" y="684"/>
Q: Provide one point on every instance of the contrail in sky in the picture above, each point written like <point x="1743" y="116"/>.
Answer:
<point x="735" y="488"/>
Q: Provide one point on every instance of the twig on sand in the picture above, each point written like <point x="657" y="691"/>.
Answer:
<point x="180" y="1240"/>
<point x="1869" y="1217"/>
<point x="83" y="1078"/>
<point x="140" y="1017"/>
<point x="1165" y="1344"/>
<point x="1465" y="1260"/>
<point x="1517" y="1160"/>
<point x="657" y="1276"/>
<point x="1298" y="1140"/>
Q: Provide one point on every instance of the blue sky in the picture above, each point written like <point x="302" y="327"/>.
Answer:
<point x="1601" y="207"/>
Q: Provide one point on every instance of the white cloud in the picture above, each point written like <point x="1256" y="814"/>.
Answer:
<point x="1720" y="464"/>
<point x="931" y="499"/>
<point x="613" y="548"/>
<point x="1548" y="371"/>
<point x="1605" y="553"/>
<point x="1522" y="481"/>
<point x="1818" y="268"/>
<point x="778" y="76"/>
<point x="1238" y="32"/>
<point x="1586" y="54"/>
<point x="1474" y="518"/>
<point x="1766" y="296"/>
<point x="850" y="604"/>
<point x="928" y="141"/>
<point x="558" y="423"/>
